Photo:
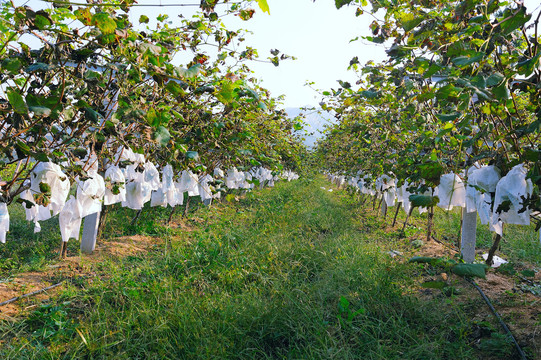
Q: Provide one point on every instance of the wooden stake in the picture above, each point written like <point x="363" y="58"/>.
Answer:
<point x="407" y="218"/>
<point x="429" y="224"/>
<point x="186" y="208"/>
<point x="493" y="249"/>
<point x="396" y="212"/>
<point x="134" y="220"/>
<point x="171" y="215"/>
<point x="379" y="204"/>
<point x="61" y="254"/>
<point x="64" y="250"/>
<point x="364" y="198"/>
<point x="103" y="217"/>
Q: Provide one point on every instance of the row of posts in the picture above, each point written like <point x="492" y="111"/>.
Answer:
<point x="467" y="243"/>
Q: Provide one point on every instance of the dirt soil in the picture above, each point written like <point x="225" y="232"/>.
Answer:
<point x="70" y="267"/>
<point x="520" y="310"/>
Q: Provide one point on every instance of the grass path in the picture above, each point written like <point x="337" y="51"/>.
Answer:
<point x="288" y="272"/>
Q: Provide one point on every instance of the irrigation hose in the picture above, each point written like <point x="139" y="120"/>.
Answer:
<point x="502" y="323"/>
<point x="487" y="301"/>
<point x="30" y="294"/>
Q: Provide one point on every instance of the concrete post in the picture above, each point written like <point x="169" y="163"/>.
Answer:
<point x="468" y="236"/>
<point x="90" y="232"/>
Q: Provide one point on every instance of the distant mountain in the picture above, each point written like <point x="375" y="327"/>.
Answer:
<point x="315" y="123"/>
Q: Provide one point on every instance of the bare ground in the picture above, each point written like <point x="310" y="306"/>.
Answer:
<point x="520" y="310"/>
<point x="69" y="267"/>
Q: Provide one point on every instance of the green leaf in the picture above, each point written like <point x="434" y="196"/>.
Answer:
<point x="91" y="114"/>
<point x="467" y="60"/>
<point x="515" y="21"/>
<point x="423" y="200"/>
<point x="25" y="149"/>
<point x="41" y="22"/>
<point x="192" y="72"/>
<point x="226" y="95"/>
<point x="501" y="92"/>
<point x="369" y="94"/>
<point x="162" y="136"/>
<point x="204" y="89"/>
<point x="448" y="117"/>
<point x="40" y="156"/>
<point x="409" y="21"/>
<point x="527" y="67"/>
<point x="495" y="79"/>
<point x="44" y="187"/>
<point x="143" y="19"/>
<point x="104" y="22"/>
<point x="447" y="91"/>
<point x="533" y="155"/>
<point x="479" y="81"/>
<point x="40" y="110"/>
<point x="249" y="92"/>
<point x="38" y="67"/>
<point x="263" y="6"/>
<point x="507" y="269"/>
<point x="433" y="69"/>
<point x="174" y="88"/>
<point x="470" y="270"/>
<point x="431" y="171"/>
<point x="79" y="152"/>
<point x="425" y="96"/>
<point x="375" y="39"/>
<point x="17" y="102"/>
<point x="262" y="106"/>
<point x="13" y="65"/>
<point x="83" y="15"/>
<point x="152" y="117"/>
<point x="340" y="3"/>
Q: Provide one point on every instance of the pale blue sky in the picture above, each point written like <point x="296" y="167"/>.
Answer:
<point x="316" y="33"/>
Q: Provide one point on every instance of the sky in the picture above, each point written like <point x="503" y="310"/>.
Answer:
<point x="316" y="33"/>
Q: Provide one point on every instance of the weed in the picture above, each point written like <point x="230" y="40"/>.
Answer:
<point x="294" y="274"/>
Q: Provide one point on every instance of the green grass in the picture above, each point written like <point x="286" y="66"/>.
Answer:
<point x="520" y="244"/>
<point x="289" y="272"/>
<point x="25" y="250"/>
